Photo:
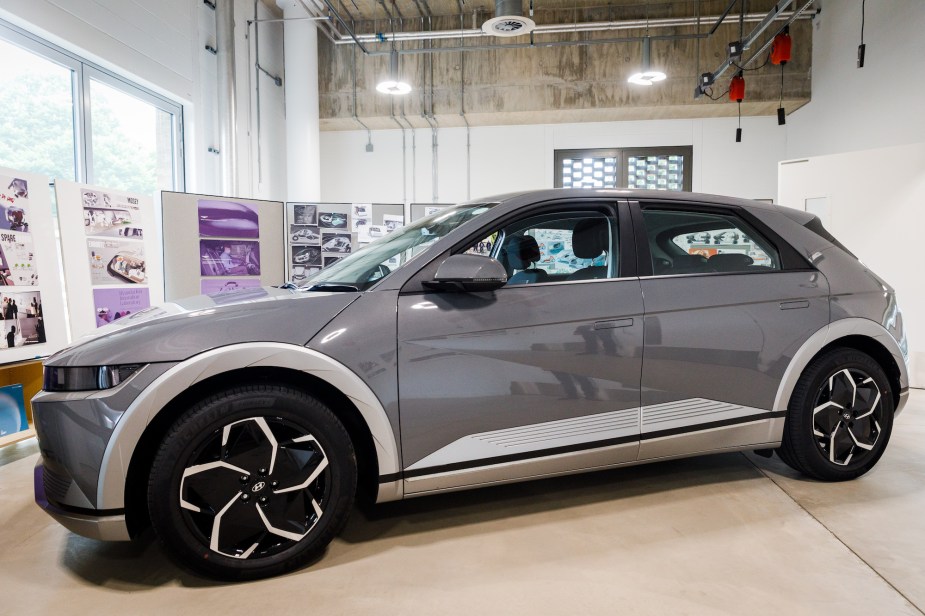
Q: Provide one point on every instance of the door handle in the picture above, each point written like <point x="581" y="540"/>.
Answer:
<point x="613" y="324"/>
<point x="800" y="303"/>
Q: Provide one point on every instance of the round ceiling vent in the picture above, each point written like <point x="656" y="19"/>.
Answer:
<point x="508" y="25"/>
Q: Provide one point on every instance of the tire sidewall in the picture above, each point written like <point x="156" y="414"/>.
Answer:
<point x="212" y="414"/>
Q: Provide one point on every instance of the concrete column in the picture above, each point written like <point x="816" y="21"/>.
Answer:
<point x="303" y="150"/>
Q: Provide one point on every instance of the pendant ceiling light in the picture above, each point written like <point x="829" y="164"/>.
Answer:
<point x="647" y="76"/>
<point x="393" y="84"/>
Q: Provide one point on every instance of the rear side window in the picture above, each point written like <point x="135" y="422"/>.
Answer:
<point x="690" y="242"/>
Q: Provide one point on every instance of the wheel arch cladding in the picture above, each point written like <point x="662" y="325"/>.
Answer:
<point x="878" y="352"/>
<point x="337" y="401"/>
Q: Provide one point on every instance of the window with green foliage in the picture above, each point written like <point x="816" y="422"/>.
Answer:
<point x="67" y="118"/>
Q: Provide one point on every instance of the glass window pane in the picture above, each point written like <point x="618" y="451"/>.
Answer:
<point x="658" y="172"/>
<point x="131" y="142"/>
<point x="36" y="114"/>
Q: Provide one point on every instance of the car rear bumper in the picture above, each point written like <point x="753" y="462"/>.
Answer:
<point x="102" y="525"/>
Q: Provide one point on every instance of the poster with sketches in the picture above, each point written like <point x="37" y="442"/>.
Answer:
<point x="429" y="210"/>
<point x="12" y="410"/>
<point x="393" y="222"/>
<point x="17" y="260"/>
<point x="113" y="304"/>
<point x="332" y="220"/>
<point x="362" y="210"/>
<point x="336" y="242"/>
<point x="301" y="273"/>
<point x="303" y="214"/>
<point x="116" y="262"/>
<point x="111" y="214"/>
<point x="219" y="218"/>
<point x="304" y="234"/>
<point x="306" y="255"/>
<point x="229" y="258"/>
<point x="23" y="319"/>
<point x="217" y="286"/>
<point x="28" y="259"/>
<point x="14" y="203"/>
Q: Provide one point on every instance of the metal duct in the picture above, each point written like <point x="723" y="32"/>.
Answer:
<point x="226" y="105"/>
<point x="508" y="20"/>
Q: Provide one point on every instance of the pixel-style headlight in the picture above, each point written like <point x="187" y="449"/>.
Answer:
<point x="86" y="378"/>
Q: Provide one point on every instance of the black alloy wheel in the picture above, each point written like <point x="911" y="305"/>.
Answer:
<point x="840" y="416"/>
<point x="252" y="482"/>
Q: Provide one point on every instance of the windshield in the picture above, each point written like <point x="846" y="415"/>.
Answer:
<point x="377" y="260"/>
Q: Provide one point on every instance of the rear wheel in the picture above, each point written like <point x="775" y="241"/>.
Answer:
<point x="252" y="482"/>
<point x="840" y="417"/>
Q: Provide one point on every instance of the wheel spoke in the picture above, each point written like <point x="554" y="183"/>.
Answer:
<point x="845" y="414"/>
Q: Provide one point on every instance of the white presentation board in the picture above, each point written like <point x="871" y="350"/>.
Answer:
<point x="31" y="302"/>
<point x="112" y="254"/>
<point x="220" y="244"/>
<point x="873" y="201"/>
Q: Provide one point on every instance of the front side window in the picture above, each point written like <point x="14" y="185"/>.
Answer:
<point x="554" y="247"/>
<point x="689" y="242"/>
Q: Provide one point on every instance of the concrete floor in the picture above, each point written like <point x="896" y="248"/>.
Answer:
<point x="730" y="534"/>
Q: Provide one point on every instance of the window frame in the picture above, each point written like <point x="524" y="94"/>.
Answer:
<point x="790" y="259"/>
<point x="621" y="155"/>
<point x="82" y="71"/>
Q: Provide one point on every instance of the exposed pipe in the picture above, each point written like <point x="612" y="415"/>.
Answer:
<point x="369" y="134"/>
<point x="404" y="156"/>
<point x="257" y="89"/>
<point x="546" y="29"/>
<point x="462" y="112"/>
<point x="770" y="41"/>
<point x="226" y="105"/>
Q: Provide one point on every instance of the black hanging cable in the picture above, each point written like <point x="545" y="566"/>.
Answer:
<point x="862" y="48"/>
<point x="781" y="114"/>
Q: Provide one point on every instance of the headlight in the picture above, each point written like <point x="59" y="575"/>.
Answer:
<point x="86" y="378"/>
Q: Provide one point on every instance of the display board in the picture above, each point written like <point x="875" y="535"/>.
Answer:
<point x="219" y="244"/>
<point x="321" y="234"/>
<point x="112" y="257"/>
<point x="420" y="210"/>
<point x="31" y="301"/>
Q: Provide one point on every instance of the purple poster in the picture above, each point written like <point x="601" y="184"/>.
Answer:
<point x="113" y="304"/>
<point x="229" y="258"/>
<point x="216" y="286"/>
<point x="227" y="219"/>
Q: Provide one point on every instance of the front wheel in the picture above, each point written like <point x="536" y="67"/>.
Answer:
<point x="251" y="482"/>
<point x="840" y="417"/>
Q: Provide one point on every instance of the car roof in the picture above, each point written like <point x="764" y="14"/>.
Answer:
<point x="627" y="193"/>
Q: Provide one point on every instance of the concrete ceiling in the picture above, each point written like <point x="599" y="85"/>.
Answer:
<point x="575" y="78"/>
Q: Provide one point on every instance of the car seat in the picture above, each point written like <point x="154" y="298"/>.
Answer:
<point x="689" y="264"/>
<point x="519" y="253"/>
<point x="590" y="238"/>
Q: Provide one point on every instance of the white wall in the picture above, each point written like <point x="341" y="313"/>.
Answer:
<point x="875" y="208"/>
<point x="161" y="45"/>
<point x="512" y="158"/>
<point x="875" y="106"/>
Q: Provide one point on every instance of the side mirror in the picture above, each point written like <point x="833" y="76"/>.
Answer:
<point x="468" y="273"/>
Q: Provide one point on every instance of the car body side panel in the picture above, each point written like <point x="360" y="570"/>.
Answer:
<point x="525" y="355"/>
<point x="363" y="338"/>
<point x="726" y="339"/>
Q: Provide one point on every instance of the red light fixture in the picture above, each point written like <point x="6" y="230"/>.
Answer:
<point x="737" y="94"/>
<point x="781" y="53"/>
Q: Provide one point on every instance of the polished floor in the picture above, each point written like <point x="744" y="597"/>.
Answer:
<point x="725" y="534"/>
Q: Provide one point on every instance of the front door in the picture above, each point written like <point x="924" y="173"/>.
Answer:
<point x="537" y="378"/>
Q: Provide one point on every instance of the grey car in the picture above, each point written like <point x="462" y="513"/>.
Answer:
<point x="244" y="426"/>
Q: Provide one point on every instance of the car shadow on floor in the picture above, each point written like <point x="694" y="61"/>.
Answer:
<point x="373" y="528"/>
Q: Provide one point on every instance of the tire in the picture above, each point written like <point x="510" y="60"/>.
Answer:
<point x="840" y="417"/>
<point x="226" y="502"/>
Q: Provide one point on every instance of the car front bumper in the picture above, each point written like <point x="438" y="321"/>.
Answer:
<point x="101" y="525"/>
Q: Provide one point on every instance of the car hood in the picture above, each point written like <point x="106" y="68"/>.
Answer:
<point x="177" y="330"/>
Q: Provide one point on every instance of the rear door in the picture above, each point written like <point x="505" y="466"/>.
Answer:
<point x="536" y="378"/>
<point x="727" y="304"/>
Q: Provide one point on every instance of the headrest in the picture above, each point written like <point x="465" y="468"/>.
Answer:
<point x="688" y="260"/>
<point x="590" y="238"/>
<point x="730" y="261"/>
<point x="522" y="250"/>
